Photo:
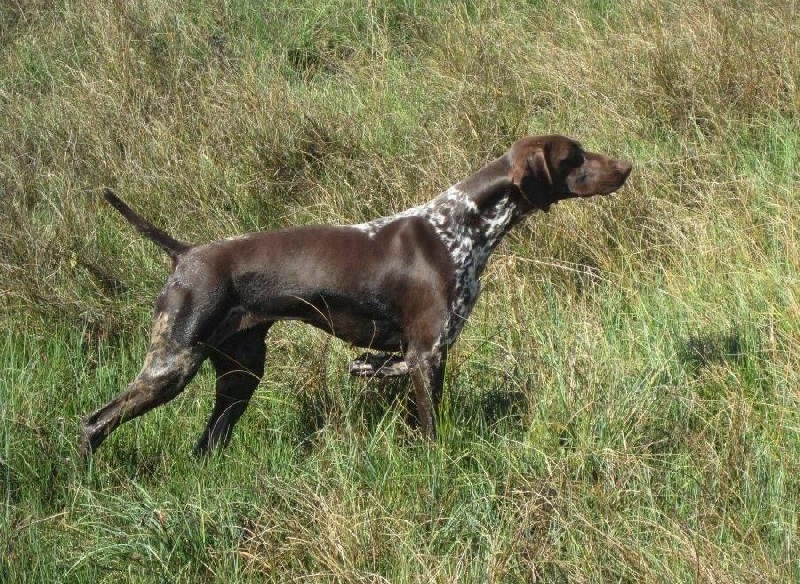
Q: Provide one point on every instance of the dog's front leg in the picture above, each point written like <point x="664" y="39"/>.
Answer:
<point x="426" y="368"/>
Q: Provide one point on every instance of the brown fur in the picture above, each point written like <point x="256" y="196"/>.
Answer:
<point x="390" y="288"/>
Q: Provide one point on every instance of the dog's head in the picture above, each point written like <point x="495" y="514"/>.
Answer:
<point x="548" y="169"/>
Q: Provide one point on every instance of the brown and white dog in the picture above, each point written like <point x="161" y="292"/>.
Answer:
<point x="404" y="284"/>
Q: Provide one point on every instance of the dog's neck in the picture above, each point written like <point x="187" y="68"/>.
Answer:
<point x="471" y="218"/>
<point x="495" y="181"/>
<point x="490" y="182"/>
<point x="489" y="195"/>
<point x="456" y="215"/>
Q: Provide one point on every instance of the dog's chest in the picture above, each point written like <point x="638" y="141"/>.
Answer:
<point x="470" y="236"/>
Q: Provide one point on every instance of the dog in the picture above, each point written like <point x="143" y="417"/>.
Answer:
<point x="400" y="284"/>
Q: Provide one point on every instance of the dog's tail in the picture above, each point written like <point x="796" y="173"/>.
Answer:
<point x="169" y="244"/>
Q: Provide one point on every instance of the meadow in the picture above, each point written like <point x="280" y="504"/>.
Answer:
<point x="621" y="407"/>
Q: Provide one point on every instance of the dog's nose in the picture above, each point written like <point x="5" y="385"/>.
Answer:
<point x="624" y="168"/>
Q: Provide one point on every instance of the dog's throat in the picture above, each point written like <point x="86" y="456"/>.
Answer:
<point x="470" y="235"/>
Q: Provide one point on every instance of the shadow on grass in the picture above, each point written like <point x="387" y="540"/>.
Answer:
<point x="706" y="348"/>
<point x="368" y="403"/>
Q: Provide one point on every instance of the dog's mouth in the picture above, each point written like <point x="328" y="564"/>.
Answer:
<point x="612" y="190"/>
<point x="599" y="193"/>
<point x="623" y="172"/>
<point x="626" y="172"/>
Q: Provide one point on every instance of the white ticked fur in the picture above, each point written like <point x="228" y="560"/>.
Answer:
<point x="469" y="234"/>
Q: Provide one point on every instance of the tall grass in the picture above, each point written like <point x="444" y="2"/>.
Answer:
<point x="623" y="404"/>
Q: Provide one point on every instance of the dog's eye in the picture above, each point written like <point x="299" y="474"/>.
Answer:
<point x="577" y="159"/>
<point x="574" y="160"/>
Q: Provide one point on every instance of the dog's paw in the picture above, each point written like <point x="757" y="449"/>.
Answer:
<point x="378" y="365"/>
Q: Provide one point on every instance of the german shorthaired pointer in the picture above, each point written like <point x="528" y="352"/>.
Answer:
<point x="404" y="283"/>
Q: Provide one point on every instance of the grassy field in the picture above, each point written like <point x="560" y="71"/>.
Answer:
<point x="623" y="405"/>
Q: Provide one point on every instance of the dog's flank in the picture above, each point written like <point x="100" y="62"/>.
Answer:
<point x="399" y="284"/>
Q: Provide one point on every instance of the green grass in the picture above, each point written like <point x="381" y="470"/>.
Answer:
<point x="623" y="404"/>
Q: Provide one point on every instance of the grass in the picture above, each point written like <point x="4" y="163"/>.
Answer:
<point x="621" y="407"/>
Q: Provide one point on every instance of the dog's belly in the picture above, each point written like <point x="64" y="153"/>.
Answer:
<point x="360" y="321"/>
<point x="375" y="334"/>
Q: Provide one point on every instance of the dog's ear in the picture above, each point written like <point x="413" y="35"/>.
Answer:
<point x="533" y="168"/>
<point x="538" y="167"/>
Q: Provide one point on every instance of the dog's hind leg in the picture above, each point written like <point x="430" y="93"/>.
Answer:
<point x="177" y="349"/>
<point x="168" y="367"/>
<point x="239" y="365"/>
